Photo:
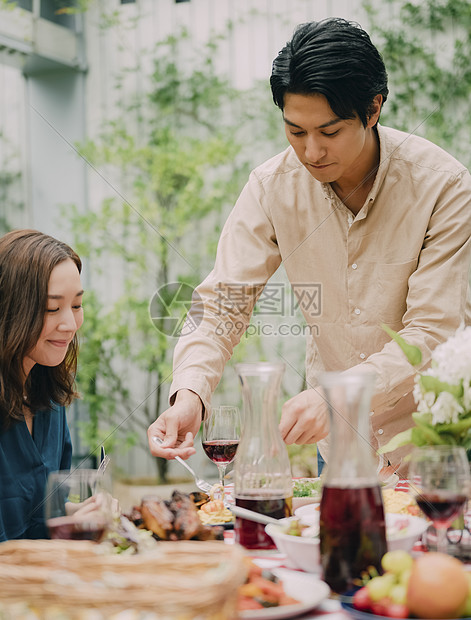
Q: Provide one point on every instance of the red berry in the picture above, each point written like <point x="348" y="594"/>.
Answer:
<point x="362" y="599"/>
<point x="397" y="610"/>
<point x="381" y="607"/>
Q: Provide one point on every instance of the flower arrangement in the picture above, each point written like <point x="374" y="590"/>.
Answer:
<point x="442" y="394"/>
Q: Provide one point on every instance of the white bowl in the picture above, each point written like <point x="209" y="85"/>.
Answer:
<point x="301" y="552"/>
<point x="402" y="531"/>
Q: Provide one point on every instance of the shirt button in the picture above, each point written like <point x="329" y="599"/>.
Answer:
<point x="357" y="311"/>
<point x="380" y="431"/>
<point x="372" y="413"/>
<point x="354" y="266"/>
<point x="362" y="356"/>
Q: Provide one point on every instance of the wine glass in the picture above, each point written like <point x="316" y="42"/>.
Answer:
<point x="439" y="478"/>
<point x="221" y="434"/>
<point x="78" y="504"/>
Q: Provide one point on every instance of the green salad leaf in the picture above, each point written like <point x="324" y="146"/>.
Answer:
<point x="307" y="488"/>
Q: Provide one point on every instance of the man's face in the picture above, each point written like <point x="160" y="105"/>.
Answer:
<point x="332" y="149"/>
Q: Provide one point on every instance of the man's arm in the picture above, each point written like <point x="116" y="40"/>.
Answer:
<point x="247" y="256"/>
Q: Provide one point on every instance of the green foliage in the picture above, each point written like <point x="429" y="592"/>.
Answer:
<point x="426" y="47"/>
<point x="174" y="170"/>
<point x="413" y="354"/>
<point x="11" y="204"/>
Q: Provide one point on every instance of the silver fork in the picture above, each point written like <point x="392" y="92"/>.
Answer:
<point x="200" y="483"/>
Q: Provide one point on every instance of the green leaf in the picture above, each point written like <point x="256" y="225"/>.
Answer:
<point x="429" y="432"/>
<point x="432" y="384"/>
<point x="413" y="353"/>
<point x="401" y="439"/>
<point x="456" y="427"/>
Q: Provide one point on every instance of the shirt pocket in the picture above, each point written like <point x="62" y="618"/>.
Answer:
<point x="392" y="288"/>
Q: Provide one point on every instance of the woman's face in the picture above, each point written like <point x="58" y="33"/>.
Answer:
<point x="64" y="316"/>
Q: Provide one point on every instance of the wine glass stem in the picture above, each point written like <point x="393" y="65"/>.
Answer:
<point x="442" y="542"/>
<point x="221" y="471"/>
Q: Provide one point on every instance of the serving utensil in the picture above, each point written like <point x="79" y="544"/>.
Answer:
<point x="200" y="483"/>
<point x="251" y="515"/>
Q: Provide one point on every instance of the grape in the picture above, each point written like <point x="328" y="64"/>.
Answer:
<point x="396" y="561"/>
<point x="398" y="594"/>
<point x="379" y="587"/>
<point x="397" y="610"/>
<point x="362" y="599"/>
<point x="404" y="577"/>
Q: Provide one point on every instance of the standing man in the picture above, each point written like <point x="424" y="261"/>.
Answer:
<point x="379" y="219"/>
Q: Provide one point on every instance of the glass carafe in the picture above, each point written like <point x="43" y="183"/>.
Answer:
<point x="352" y="525"/>
<point x="262" y="471"/>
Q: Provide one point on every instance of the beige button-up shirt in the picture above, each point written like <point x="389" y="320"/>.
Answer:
<point x="403" y="260"/>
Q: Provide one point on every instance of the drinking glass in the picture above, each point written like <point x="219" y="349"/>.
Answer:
<point x="221" y="434"/>
<point x="78" y="504"/>
<point x="439" y="481"/>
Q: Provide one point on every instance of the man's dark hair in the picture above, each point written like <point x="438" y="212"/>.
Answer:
<point x="334" y="58"/>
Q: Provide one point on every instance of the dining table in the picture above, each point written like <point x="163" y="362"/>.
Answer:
<point x="331" y="606"/>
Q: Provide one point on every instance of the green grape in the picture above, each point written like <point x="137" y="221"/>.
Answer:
<point x="379" y="587"/>
<point x="404" y="577"/>
<point x="396" y="561"/>
<point x="398" y="594"/>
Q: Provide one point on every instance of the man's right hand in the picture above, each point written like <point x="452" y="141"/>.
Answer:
<point x="177" y="427"/>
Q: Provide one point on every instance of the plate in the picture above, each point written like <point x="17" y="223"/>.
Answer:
<point x="365" y="615"/>
<point x="307" y="589"/>
<point x="224" y="524"/>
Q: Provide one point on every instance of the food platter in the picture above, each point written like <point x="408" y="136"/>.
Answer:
<point x="309" y="590"/>
<point x="365" y="615"/>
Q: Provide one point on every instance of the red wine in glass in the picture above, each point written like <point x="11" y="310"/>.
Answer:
<point x="441" y="508"/>
<point x="439" y="480"/>
<point x="68" y="528"/>
<point x="252" y="535"/>
<point x="352" y="534"/>
<point x="221" y="450"/>
<point x="221" y="434"/>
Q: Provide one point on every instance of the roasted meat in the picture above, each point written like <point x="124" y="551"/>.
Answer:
<point x="174" y="519"/>
<point x="157" y="517"/>
<point x="187" y="523"/>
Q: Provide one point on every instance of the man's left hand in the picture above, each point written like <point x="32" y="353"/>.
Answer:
<point x="304" y="418"/>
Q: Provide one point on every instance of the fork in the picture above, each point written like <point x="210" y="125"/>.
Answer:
<point x="200" y="483"/>
<point x="104" y="460"/>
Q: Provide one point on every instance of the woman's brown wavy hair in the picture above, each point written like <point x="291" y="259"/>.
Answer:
<point x="27" y="258"/>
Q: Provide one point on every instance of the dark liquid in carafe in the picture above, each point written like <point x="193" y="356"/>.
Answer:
<point x="352" y="534"/>
<point x="252" y="535"/>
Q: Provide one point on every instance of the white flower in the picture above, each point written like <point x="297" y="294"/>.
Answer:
<point x="467" y="396"/>
<point x="446" y="409"/>
<point x="451" y="360"/>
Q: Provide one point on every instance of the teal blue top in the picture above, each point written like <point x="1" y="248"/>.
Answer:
<point x="25" y="462"/>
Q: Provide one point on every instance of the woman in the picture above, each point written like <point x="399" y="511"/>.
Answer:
<point x="40" y="313"/>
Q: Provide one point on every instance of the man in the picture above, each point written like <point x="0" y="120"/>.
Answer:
<point x="380" y="219"/>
